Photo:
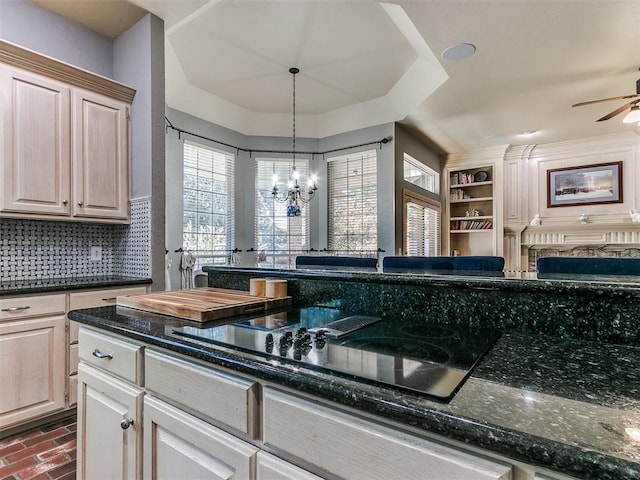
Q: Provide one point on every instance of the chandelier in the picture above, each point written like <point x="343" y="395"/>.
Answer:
<point x="295" y="194"/>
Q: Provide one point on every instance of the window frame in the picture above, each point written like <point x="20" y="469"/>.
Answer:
<point x="367" y="230"/>
<point x="286" y="257"/>
<point x="218" y="256"/>
<point x="426" y="171"/>
<point x="427" y="203"/>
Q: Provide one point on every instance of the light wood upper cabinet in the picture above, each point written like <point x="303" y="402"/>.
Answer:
<point x="100" y="156"/>
<point x="64" y="140"/>
<point x="36" y="168"/>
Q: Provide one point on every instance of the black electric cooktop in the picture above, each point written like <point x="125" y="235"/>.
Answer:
<point x="424" y="358"/>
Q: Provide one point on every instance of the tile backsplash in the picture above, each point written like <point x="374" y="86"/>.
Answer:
<point x="37" y="249"/>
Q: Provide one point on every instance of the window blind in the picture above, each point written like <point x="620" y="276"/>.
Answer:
<point x="279" y="237"/>
<point x="353" y="202"/>
<point x="423" y="229"/>
<point x="208" y="193"/>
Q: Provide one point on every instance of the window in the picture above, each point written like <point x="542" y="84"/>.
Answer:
<point x="422" y="226"/>
<point x="207" y="214"/>
<point x="353" y="198"/>
<point x="279" y="237"/>
<point x="421" y="175"/>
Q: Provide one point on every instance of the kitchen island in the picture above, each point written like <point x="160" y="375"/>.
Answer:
<point x="558" y="394"/>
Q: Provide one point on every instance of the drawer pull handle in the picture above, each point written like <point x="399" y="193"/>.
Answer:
<point x="110" y="299"/>
<point x="98" y="354"/>
<point x="126" y="423"/>
<point x="15" y="309"/>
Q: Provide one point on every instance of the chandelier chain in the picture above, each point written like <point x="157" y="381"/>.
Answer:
<point x="294" y="118"/>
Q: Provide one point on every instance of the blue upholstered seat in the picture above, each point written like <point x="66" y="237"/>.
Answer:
<point x="588" y="265"/>
<point x="336" y="263"/>
<point x="479" y="263"/>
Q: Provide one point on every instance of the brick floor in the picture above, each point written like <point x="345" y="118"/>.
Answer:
<point x="46" y="453"/>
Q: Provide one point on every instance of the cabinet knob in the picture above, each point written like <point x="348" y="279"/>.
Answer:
<point x="80" y="203"/>
<point x="98" y="354"/>
<point x="64" y="202"/>
<point x="126" y="423"/>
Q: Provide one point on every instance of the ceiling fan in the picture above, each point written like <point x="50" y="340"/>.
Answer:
<point x="634" y="110"/>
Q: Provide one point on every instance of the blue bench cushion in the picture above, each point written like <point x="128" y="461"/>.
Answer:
<point x="335" y="262"/>
<point x="483" y="263"/>
<point x="589" y="265"/>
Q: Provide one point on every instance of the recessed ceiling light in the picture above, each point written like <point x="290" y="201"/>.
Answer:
<point x="459" y="51"/>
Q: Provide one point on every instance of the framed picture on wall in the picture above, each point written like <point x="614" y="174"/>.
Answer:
<point x="585" y="185"/>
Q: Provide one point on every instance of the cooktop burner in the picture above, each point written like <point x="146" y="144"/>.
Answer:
<point x="423" y="358"/>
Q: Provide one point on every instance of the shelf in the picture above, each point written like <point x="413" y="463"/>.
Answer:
<point x="473" y="230"/>
<point x="471" y="184"/>
<point x="478" y="199"/>
<point x="481" y="217"/>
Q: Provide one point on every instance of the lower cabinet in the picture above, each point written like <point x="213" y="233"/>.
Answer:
<point x="350" y="447"/>
<point x="109" y="426"/>
<point x="180" y="446"/>
<point x="32" y="358"/>
<point x="199" y="422"/>
<point x="39" y="352"/>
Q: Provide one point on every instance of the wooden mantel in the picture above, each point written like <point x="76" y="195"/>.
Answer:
<point x="589" y="234"/>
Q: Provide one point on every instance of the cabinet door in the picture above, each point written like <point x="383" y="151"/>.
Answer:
<point x="35" y="158"/>
<point x="179" y="446"/>
<point x="32" y="368"/>
<point x="100" y="156"/>
<point x="109" y="428"/>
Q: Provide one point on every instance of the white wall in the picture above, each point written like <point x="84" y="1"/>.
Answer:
<point x="530" y="178"/>
<point x="32" y="27"/>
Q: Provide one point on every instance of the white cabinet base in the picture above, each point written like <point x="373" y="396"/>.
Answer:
<point x="106" y="450"/>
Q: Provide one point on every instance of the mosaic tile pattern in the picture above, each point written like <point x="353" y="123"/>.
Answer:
<point x="136" y="244"/>
<point x="40" y="249"/>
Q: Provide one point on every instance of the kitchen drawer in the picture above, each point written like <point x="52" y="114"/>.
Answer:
<point x="354" y="448"/>
<point x="115" y="355"/>
<point x="13" y="308"/>
<point x="101" y="298"/>
<point x="219" y="397"/>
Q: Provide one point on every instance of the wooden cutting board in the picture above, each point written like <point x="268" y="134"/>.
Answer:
<point x="202" y="304"/>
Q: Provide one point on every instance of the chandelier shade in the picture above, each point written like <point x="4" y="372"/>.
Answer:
<point x="294" y="194"/>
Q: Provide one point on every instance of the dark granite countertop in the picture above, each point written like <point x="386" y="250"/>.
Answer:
<point x="562" y="404"/>
<point x="624" y="286"/>
<point x="45" y="285"/>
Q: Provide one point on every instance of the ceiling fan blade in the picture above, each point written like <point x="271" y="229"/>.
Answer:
<point x="605" y="100"/>
<point x="617" y="111"/>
